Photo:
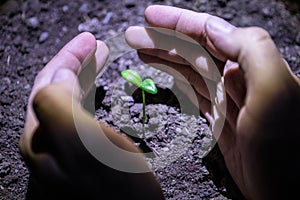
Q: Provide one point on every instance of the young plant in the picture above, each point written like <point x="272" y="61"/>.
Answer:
<point x="146" y="85"/>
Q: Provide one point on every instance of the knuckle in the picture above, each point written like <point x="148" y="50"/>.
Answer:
<point x="259" y="34"/>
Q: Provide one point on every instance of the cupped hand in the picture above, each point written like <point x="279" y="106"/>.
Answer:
<point x="61" y="167"/>
<point x="260" y="138"/>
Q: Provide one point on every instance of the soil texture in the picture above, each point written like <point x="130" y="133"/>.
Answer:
<point x="33" y="31"/>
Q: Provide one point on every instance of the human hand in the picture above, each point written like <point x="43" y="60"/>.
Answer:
<point x="61" y="167"/>
<point x="260" y="138"/>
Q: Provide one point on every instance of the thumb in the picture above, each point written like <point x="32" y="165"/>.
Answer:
<point x="266" y="73"/>
<point x="67" y="86"/>
<point x="53" y="108"/>
<point x="52" y="104"/>
<point x="70" y="133"/>
<point x="79" y="148"/>
<point x="41" y="154"/>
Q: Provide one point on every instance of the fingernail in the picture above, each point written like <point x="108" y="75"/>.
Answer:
<point x="62" y="75"/>
<point x="216" y="25"/>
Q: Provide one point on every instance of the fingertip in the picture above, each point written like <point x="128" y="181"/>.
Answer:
<point x="149" y="10"/>
<point x="103" y="48"/>
<point x="82" y="46"/>
<point x="87" y="35"/>
<point x="130" y="35"/>
<point x="161" y="15"/>
<point x="130" y="29"/>
<point x="101" y="55"/>
<point x="152" y="9"/>
<point x="139" y="38"/>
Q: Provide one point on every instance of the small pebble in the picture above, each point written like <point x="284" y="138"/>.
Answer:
<point x="43" y="37"/>
<point x="91" y="25"/>
<point x="33" y="22"/>
<point x="266" y="12"/>
<point x="165" y="149"/>
<point x="178" y="130"/>
<point x="65" y="8"/>
<point x="174" y="182"/>
<point x="127" y="98"/>
<point x="27" y="87"/>
<point x="107" y="18"/>
<point x="228" y="16"/>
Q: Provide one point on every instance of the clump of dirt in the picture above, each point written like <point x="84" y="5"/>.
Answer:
<point x="32" y="32"/>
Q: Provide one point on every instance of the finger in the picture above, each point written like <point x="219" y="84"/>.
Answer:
<point x="199" y="85"/>
<point x="78" y="51"/>
<point x="56" y="116"/>
<point x="184" y="21"/>
<point x="222" y="130"/>
<point x="35" y="150"/>
<point x="189" y="76"/>
<point x="71" y="56"/>
<point x="232" y="112"/>
<point x="189" y="82"/>
<point x="170" y="56"/>
<point x="234" y="83"/>
<point x="173" y="57"/>
<point x="198" y="58"/>
<point x="59" y="140"/>
<point x="223" y="107"/>
<point x="267" y="76"/>
<point x="90" y="69"/>
<point x="70" y="87"/>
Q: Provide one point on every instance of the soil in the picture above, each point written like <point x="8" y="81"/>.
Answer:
<point x="33" y="31"/>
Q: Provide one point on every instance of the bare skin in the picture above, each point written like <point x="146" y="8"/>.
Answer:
<point x="260" y="135"/>
<point x="60" y="165"/>
<point x="259" y="141"/>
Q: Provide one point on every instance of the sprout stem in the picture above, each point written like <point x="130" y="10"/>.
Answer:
<point x="144" y="110"/>
<point x="147" y="85"/>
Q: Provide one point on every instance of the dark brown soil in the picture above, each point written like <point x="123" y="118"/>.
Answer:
<point x="33" y="32"/>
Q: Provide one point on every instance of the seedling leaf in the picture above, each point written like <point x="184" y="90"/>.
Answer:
<point x="132" y="77"/>
<point x="149" y="86"/>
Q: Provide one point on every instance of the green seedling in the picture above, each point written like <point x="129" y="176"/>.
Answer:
<point x="146" y="85"/>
